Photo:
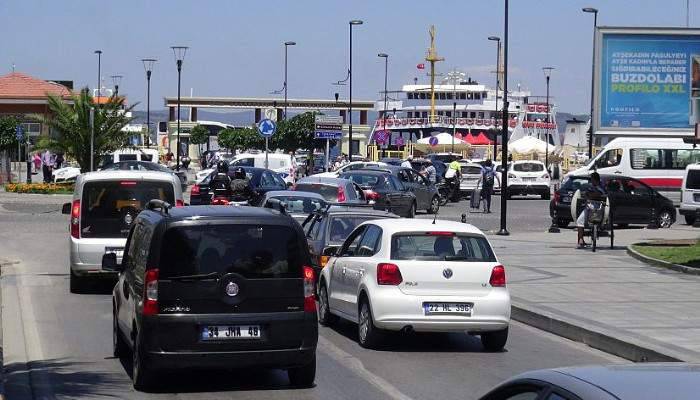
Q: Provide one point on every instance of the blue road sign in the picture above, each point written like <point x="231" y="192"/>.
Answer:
<point x="328" y="135"/>
<point x="433" y="141"/>
<point x="19" y="132"/>
<point x="267" y="128"/>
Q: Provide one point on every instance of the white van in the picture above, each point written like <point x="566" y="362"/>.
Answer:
<point x="690" y="193"/>
<point x="658" y="162"/>
<point x="277" y="162"/>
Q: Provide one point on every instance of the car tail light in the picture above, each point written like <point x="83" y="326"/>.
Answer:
<point x="128" y="183"/>
<point x="309" y="298"/>
<point x="179" y="203"/>
<point x="557" y="197"/>
<point x="341" y="194"/>
<point x="498" y="276"/>
<point x="150" y="292"/>
<point x="371" y="195"/>
<point x="440" y="233"/>
<point x="388" y="274"/>
<point x="195" y="190"/>
<point x="75" y="219"/>
<point x="545" y="176"/>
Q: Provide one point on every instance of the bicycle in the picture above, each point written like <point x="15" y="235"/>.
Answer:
<point x="595" y="218"/>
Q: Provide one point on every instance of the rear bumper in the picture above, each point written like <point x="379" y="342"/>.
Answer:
<point x="534" y="188"/>
<point x="686" y="209"/>
<point x="86" y="255"/>
<point x="286" y="358"/>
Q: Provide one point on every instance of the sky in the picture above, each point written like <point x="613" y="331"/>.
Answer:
<point x="236" y="46"/>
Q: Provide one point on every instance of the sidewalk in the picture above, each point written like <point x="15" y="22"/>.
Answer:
<point x="606" y="299"/>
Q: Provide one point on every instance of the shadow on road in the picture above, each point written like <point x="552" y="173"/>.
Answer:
<point x="62" y="378"/>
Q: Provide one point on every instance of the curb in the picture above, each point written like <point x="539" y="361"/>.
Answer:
<point x="601" y="341"/>
<point x="660" y="263"/>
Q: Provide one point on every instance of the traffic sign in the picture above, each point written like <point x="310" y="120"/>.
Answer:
<point x="433" y="141"/>
<point x="327" y="127"/>
<point x="381" y="137"/>
<point x="399" y="141"/>
<point x="19" y="133"/>
<point x="267" y="128"/>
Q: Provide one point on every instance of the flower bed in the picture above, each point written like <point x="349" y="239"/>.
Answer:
<point x="42" y="188"/>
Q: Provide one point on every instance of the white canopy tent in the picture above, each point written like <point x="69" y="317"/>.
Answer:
<point x="529" y="144"/>
<point x="444" y="143"/>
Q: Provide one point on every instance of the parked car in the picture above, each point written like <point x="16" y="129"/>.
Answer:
<point x="392" y="161"/>
<point x="334" y="190"/>
<point x="416" y="275"/>
<point x="327" y="228"/>
<point x="65" y="174"/>
<point x="146" y="166"/>
<point x="298" y="204"/>
<point x="645" y="381"/>
<point x="104" y="207"/>
<point x="384" y="191"/>
<point x="224" y="287"/>
<point x="262" y="180"/>
<point x="351" y="167"/>
<point x="633" y="202"/>
<point x="395" y="193"/>
<point x="690" y="193"/>
<point x="528" y="177"/>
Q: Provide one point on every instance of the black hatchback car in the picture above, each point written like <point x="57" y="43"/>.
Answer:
<point x="384" y="191"/>
<point x="215" y="287"/>
<point x="263" y="181"/>
<point x="427" y="196"/>
<point x="633" y="201"/>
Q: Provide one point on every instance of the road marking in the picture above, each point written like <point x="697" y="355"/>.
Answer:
<point x="356" y="366"/>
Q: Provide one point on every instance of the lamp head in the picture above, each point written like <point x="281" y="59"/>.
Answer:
<point x="148" y="64"/>
<point x="495" y="38"/>
<point x="590" y="10"/>
<point x="179" y="52"/>
<point x="356" y="22"/>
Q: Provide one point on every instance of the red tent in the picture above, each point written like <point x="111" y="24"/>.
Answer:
<point x="479" y="139"/>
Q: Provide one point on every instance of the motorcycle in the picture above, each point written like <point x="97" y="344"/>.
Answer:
<point x="447" y="190"/>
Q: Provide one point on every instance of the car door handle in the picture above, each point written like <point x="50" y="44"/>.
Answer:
<point x="344" y="270"/>
<point x="362" y="272"/>
<point x="618" y="172"/>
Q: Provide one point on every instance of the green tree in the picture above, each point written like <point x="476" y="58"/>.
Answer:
<point x="8" y="141"/>
<point x="199" y="135"/>
<point x="71" y="122"/>
<point x="240" y="139"/>
<point x="298" y="133"/>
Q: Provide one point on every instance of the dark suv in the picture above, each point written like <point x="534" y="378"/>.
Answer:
<point x="222" y="287"/>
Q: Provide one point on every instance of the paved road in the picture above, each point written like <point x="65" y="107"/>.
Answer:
<point x="58" y="345"/>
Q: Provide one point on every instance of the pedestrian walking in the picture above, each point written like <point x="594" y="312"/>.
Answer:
<point x="487" y="180"/>
<point x="37" y="162"/>
<point x="47" y="161"/>
<point x="59" y="160"/>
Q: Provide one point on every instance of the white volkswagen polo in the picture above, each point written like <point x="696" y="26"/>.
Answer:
<point x="412" y="274"/>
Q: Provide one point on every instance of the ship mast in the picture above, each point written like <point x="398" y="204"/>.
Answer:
<point x="432" y="58"/>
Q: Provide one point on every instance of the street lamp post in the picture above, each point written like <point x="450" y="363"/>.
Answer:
<point x="179" y="52"/>
<point x="351" y="23"/>
<point x="498" y="71"/>
<point x="590" y="128"/>
<point x="286" y="44"/>
<point x="547" y="73"/>
<point x="99" y="67"/>
<point x="148" y="67"/>
<point x="504" y="139"/>
<point x="386" y="98"/>
<point x="116" y="80"/>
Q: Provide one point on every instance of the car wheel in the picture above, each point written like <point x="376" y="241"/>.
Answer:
<point x="412" y="211"/>
<point x="665" y="219"/>
<point x="563" y="223"/>
<point x="494" y="341"/>
<point x="76" y="282"/>
<point x="118" y="344"/>
<point x="690" y="219"/>
<point x="304" y="376"/>
<point x="368" y="334"/>
<point x="324" y="311"/>
<point x="434" y="205"/>
<point x="142" y="374"/>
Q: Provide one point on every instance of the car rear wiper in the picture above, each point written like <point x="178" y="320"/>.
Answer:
<point x="195" y="276"/>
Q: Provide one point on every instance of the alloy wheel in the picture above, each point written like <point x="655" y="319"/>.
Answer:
<point x="364" y="323"/>
<point x="665" y="219"/>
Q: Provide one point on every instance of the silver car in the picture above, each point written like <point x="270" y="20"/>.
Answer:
<point x="104" y="206"/>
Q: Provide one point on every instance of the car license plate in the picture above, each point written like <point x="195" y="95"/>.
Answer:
<point x="119" y="251"/>
<point x="529" y="179"/>
<point x="448" y="308"/>
<point x="230" y="332"/>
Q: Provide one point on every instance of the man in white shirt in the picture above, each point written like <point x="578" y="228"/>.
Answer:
<point x="407" y="162"/>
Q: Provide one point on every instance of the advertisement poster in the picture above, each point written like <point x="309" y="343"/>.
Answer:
<point x="649" y="81"/>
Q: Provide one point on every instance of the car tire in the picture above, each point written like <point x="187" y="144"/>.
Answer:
<point x="690" y="219"/>
<point x="434" y="205"/>
<point x="118" y="344"/>
<point x="77" y="283"/>
<point x="494" y="341"/>
<point x="563" y="223"/>
<point x="325" y="317"/>
<point x="142" y="375"/>
<point x="665" y="218"/>
<point x="412" y="211"/>
<point x="368" y="334"/>
<point x="304" y="376"/>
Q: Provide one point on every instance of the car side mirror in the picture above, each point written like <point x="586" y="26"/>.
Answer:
<point x="109" y="263"/>
<point x="331" y="251"/>
<point x="66" y="209"/>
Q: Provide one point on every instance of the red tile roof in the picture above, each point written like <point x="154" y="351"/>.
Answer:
<point x="21" y="86"/>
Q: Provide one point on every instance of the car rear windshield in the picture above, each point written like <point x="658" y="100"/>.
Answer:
<point x="364" y="180"/>
<point x="330" y="193"/>
<point x="573" y="184"/>
<point x="441" y="246"/>
<point x="253" y="251"/>
<point x="342" y="226"/>
<point x="471" y="170"/>
<point x="109" y="208"/>
<point x="693" y="181"/>
<point x="528" y="167"/>
<point x="300" y="204"/>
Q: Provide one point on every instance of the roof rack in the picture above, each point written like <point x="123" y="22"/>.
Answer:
<point x="156" y="204"/>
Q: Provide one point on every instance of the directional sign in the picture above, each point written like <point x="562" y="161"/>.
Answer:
<point x="433" y="141"/>
<point x="19" y="133"/>
<point x="327" y="127"/>
<point x="267" y="128"/>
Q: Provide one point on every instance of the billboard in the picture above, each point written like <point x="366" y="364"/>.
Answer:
<point x="647" y="79"/>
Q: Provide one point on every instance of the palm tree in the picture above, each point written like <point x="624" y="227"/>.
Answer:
<point x="70" y="123"/>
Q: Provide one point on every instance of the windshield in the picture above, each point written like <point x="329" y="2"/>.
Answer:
<point x="471" y="170"/>
<point x="223" y="249"/>
<point x="109" y="208"/>
<point x="528" y="167"/>
<point x="301" y="204"/>
<point x="441" y="247"/>
<point x="364" y="180"/>
<point x="136" y="166"/>
<point x="342" y="226"/>
<point x="573" y="184"/>
<point x="330" y="193"/>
